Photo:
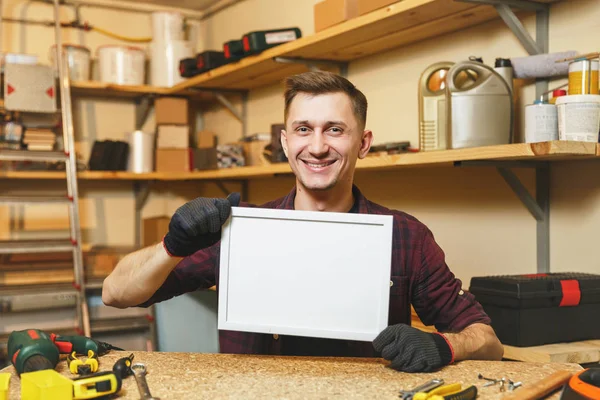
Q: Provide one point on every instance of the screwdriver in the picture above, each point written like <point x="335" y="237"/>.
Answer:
<point x="122" y="368"/>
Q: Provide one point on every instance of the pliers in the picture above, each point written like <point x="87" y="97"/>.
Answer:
<point x="452" y="391"/>
<point x="76" y="366"/>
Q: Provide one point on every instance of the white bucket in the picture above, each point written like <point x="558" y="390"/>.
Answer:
<point x="78" y="59"/>
<point x="579" y="117"/>
<point x="164" y="63"/>
<point x="167" y="26"/>
<point x="141" y="152"/>
<point x="121" y="65"/>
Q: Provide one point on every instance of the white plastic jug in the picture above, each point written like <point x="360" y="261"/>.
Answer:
<point x="479" y="105"/>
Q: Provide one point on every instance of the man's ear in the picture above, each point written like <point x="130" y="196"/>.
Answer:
<point x="365" y="144"/>
<point x="283" y="138"/>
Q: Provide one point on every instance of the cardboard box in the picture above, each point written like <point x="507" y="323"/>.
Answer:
<point x="205" y="159"/>
<point x="173" y="137"/>
<point x="154" y="229"/>
<point x="253" y="152"/>
<point x="206" y="140"/>
<point x="366" y="6"/>
<point x="332" y="12"/>
<point x="173" y="160"/>
<point x="171" y="111"/>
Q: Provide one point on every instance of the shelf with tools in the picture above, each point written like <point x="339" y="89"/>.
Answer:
<point x="399" y="24"/>
<point x="547" y="151"/>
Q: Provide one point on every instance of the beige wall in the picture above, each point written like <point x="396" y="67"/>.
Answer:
<point x="475" y="217"/>
<point x="481" y="225"/>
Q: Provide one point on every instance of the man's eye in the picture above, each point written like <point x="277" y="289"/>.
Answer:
<point x="335" y="129"/>
<point x="302" y="129"/>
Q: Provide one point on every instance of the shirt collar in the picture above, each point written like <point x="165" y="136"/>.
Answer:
<point x="363" y="206"/>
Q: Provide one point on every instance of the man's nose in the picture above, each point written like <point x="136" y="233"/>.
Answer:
<point x="318" y="144"/>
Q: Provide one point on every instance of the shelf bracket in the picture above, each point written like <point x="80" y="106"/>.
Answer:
<point x="239" y="115"/>
<point x="141" y="191"/>
<point x="542" y="27"/>
<point x="227" y="192"/>
<point x="538" y="206"/>
<point x="142" y="110"/>
<point x="313" y="64"/>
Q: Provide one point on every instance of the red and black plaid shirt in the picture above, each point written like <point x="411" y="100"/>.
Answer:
<point x="419" y="276"/>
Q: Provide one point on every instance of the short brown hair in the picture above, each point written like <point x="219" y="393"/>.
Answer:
<point x="321" y="82"/>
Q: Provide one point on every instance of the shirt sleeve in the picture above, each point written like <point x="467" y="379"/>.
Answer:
<point x="195" y="272"/>
<point x="438" y="296"/>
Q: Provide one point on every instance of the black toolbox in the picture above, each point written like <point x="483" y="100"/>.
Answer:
<point x="537" y="309"/>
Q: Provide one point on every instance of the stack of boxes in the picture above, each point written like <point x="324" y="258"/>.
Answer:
<point x="173" y="152"/>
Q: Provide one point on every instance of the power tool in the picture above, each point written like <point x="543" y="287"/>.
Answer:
<point x="584" y="385"/>
<point x="203" y="62"/>
<point x="233" y="50"/>
<point x="35" y="350"/>
<point x="258" y="41"/>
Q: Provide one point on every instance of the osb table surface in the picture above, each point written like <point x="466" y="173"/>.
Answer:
<point x="194" y="376"/>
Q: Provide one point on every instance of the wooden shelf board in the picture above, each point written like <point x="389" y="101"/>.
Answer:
<point x="399" y="24"/>
<point x="587" y="351"/>
<point x="107" y="90"/>
<point x="547" y="151"/>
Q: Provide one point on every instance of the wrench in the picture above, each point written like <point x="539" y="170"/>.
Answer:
<point x="139" y="371"/>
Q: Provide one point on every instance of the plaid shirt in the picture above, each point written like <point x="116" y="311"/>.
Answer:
<point x="419" y="275"/>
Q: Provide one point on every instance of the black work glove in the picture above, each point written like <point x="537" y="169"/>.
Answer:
<point x="412" y="350"/>
<point x="196" y="225"/>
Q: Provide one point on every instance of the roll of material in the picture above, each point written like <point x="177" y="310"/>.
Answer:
<point x="167" y="26"/>
<point x="542" y="65"/>
<point x="141" y="152"/>
<point x="121" y="65"/>
<point x="164" y="65"/>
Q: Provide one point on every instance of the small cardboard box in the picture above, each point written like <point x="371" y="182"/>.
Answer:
<point x="155" y="229"/>
<point x="206" y="140"/>
<point x="171" y="111"/>
<point x="173" y="137"/>
<point x="253" y="152"/>
<point x="173" y="160"/>
<point x="366" y="6"/>
<point x="205" y="158"/>
<point x="332" y="12"/>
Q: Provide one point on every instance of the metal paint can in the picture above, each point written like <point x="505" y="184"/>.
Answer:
<point x="541" y="122"/>
<point x="121" y="65"/>
<point x="141" y="151"/>
<point x="583" y="77"/>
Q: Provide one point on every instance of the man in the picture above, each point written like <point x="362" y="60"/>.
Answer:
<point x="325" y="134"/>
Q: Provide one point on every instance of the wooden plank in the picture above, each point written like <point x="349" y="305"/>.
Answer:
<point x="106" y="90"/>
<point x="576" y="352"/>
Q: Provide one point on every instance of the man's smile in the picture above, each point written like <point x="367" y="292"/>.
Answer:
<point x="318" y="165"/>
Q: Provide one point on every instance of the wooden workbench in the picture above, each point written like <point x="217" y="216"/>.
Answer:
<point x="194" y="376"/>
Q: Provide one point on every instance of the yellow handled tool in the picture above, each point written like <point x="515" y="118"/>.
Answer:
<point x="452" y="391"/>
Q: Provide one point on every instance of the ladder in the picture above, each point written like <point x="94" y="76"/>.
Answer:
<point x="68" y="157"/>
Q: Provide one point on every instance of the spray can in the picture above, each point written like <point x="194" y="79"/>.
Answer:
<point x="504" y="67"/>
<point x="541" y="122"/>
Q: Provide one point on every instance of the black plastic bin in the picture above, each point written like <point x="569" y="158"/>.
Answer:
<point x="532" y="310"/>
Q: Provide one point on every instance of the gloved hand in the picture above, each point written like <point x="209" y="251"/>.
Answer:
<point x="196" y="225"/>
<point x="412" y="350"/>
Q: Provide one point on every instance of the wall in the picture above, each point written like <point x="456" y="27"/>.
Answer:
<point x="474" y="215"/>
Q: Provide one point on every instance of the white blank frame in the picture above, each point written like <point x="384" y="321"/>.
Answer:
<point x="305" y="273"/>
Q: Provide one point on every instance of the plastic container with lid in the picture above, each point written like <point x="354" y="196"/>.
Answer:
<point x="579" y="117"/>
<point x="121" y="65"/>
<point x="78" y="60"/>
<point x="541" y="122"/>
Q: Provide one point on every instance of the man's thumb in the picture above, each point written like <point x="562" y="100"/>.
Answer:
<point x="234" y="199"/>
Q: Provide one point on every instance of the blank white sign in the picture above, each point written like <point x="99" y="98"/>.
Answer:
<point x="305" y="273"/>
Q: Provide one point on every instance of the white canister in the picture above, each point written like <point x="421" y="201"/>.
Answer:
<point x="78" y="60"/>
<point x="167" y="26"/>
<point x="164" y="63"/>
<point x="541" y="122"/>
<point x="18" y="58"/>
<point x="579" y="117"/>
<point x="141" y="152"/>
<point x="121" y="65"/>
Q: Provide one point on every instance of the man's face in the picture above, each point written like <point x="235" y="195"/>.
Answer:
<point x="323" y="140"/>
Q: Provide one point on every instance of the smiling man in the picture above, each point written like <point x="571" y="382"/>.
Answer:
<point x="325" y="118"/>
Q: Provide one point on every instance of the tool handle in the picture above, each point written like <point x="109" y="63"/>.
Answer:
<point x="542" y="387"/>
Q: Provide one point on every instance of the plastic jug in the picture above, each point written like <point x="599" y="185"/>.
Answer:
<point x="479" y="105"/>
